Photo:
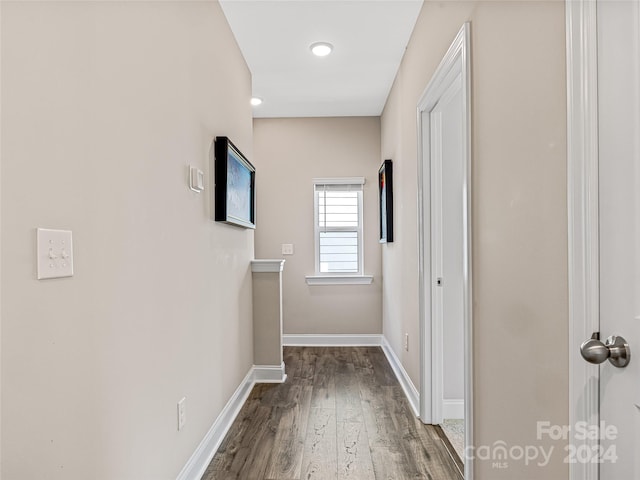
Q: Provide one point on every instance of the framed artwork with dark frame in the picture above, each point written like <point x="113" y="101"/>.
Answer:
<point x="385" y="187"/>
<point x="235" y="191"/>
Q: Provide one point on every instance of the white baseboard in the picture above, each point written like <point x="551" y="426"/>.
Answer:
<point x="269" y="373"/>
<point x="314" y="340"/>
<point x="407" y="385"/>
<point x="453" y="408"/>
<point x="199" y="461"/>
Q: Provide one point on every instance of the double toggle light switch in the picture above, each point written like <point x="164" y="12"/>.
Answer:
<point x="55" y="253"/>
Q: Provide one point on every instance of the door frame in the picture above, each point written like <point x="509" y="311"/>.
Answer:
<point x="583" y="220"/>
<point x="457" y="61"/>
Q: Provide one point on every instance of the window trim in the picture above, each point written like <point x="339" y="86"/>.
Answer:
<point x="326" y="278"/>
<point x="332" y="279"/>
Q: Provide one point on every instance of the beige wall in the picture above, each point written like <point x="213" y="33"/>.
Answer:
<point x="267" y="318"/>
<point x="519" y="215"/>
<point x="104" y="105"/>
<point x="289" y="153"/>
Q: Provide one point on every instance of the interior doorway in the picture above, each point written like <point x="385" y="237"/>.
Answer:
<point x="445" y="247"/>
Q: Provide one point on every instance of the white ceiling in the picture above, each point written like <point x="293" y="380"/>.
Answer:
<point x="369" y="39"/>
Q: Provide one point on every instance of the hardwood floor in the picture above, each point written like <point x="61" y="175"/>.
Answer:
<point x="341" y="414"/>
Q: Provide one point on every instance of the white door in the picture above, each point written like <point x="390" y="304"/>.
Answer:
<point x="603" y="60"/>
<point x="618" y="24"/>
<point x="446" y="121"/>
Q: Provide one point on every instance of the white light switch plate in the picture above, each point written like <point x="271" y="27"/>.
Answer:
<point x="287" y="249"/>
<point x="55" y="253"/>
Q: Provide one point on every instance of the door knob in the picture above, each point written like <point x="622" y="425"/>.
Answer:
<point x="615" y="348"/>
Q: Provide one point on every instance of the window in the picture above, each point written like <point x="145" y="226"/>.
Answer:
<point x="338" y="230"/>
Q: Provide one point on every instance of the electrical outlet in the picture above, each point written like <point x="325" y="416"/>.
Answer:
<point x="287" y="249"/>
<point x="406" y="342"/>
<point x="182" y="413"/>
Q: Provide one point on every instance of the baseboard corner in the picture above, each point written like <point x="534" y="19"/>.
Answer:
<point x="269" y="373"/>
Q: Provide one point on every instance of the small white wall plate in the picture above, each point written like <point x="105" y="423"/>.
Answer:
<point x="196" y="179"/>
<point x="54" y="253"/>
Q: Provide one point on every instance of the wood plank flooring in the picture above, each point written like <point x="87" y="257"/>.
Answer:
<point x="340" y="415"/>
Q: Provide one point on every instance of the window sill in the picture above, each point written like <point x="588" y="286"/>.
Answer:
<point x="339" y="279"/>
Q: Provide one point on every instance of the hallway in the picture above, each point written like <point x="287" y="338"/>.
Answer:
<point x="340" y="414"/>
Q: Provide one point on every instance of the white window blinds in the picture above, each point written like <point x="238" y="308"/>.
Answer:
<point x="338" y="225"/>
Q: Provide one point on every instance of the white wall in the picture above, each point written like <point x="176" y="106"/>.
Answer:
<point x="289" y="153"/>
<point x="519" y="215"/>
<point x="104" y="105"/>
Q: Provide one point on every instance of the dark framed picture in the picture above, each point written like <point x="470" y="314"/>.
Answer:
<point x="235" y="190"/>
<point x="385" y="187"/>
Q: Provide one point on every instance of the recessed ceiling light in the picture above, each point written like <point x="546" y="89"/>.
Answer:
<point x="321" y="49"/>
<point x="255" y="101"/>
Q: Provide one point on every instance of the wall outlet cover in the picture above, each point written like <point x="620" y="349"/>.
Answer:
<point x="182" y="413"/>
